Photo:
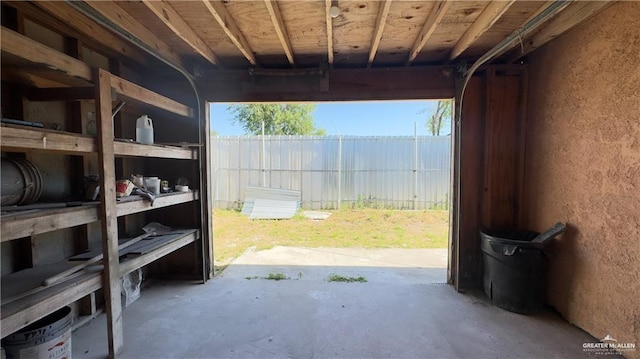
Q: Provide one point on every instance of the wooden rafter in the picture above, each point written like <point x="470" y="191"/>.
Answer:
<point x="281" y="29"/>
<point x="573" y="15"/>
<point x="84" y="28"/>
<point x="377" y="33"/>
<point x="168" y="15"/>
<point x="487" y="18"/>
<point x="434" y="18"/>
<point x="228" y="24"/>
<point x="329" y="22"/>
<point x="534" y="14"/>
<point x="120" y="17"/>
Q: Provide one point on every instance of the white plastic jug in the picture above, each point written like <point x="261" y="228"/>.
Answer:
<point x="144" y="130"/>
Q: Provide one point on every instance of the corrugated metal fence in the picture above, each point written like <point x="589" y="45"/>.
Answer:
<point x="381" y="172"/>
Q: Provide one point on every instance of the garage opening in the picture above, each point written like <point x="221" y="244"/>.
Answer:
<point x="343" y="191"/>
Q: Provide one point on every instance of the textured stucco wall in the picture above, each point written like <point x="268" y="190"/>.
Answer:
<point x="583" y="167"/>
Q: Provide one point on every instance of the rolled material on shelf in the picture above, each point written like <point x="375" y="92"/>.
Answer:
<point x="21" y="182"/>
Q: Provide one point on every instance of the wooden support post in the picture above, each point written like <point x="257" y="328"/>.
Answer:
<point x="111" y="275"/>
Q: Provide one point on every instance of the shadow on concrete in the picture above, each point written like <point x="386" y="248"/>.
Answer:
<point x="397" y="313"/>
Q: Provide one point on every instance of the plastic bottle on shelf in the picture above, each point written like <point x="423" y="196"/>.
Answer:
<point x="144" y="130"/>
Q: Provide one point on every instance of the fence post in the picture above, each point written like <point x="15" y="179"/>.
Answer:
<point x="415" y="165"/>
<point x="339" y="170"/>
<point x="264" y="160"/>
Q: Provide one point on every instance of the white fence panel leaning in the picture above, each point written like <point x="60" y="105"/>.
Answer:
<point x="403" y="172"/>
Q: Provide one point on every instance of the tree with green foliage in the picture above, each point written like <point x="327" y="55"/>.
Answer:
<point x="279" y="119"/>
<point x="437" y="120"/>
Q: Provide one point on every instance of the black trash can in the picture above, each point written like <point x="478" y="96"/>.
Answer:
<point x="514" y="270"/>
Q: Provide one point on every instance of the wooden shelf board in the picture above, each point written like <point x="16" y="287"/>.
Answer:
<point x="22" y="51"/>
<point x="25" y="138"/>
<point x="139" y="94"/>
<point x="135" y="262"/>
<point x="20" y="313"/>
<point x="132" y="149"/>
<point x="18" y="225"/>
<point x="163" y="200"/>
<point x="27" y="55"/>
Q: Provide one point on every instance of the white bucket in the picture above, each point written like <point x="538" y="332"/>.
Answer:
<point x="48" y="338"/>
<point x="144" y="130"/>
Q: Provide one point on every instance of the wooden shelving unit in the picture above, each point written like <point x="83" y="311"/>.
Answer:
<point x="18" y="313"/>
<point x="51" y="75"/>
<point x="18" y="225"/>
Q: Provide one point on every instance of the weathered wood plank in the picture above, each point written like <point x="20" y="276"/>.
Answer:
<point x="483" y="23"/>
<point x="41" y="56"/>
<point x="329" y="23"/>
<point x="118" y="16"/>
<point x="343" y="84"/>
<point x="126" y="208"/>
<point x="109" y="223"/>
<point x="471" y="173"/>
<point x="281" y="29"/>
<point x="383" y="13"/>
<point x="129" y="149"/>
<point x="574" y="14"/>
<point x="24" y="225"/>
<point x="218" y="11"/>
<point x="143" y="96"/>
<point x="168" y="15"/>
<point x="501" y="151"/>
<point x="437" y="13"/>
<point x="20" y="313"/>
<point x="86" y="30"/>
<point x="25" y="139"/>
<point x="137" y="262"/>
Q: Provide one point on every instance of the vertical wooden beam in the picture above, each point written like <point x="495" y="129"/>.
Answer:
<point x="224" y="19"/>
<point x="522" y="146"/>
<point x="281" y="29"/>
<point x="109" y="222"/>
<point x="487" y="18"/>
<point x="207" y="195"/>
<point x="471" y="169"/>
<point x="377" y="33"/>
<point x="329" y="22"/>
<point x="435" y="16"/>
<point x="501" y="146"/>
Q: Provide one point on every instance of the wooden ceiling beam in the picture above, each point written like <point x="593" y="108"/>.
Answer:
<point x="118" y="16"/>
<point x="62" y="18"/>
<point x="221" y="15"/>
<point x="487" y="18"/>
<point x="170" y="17"/>
<point x="383" y="13"/>
<point x="435" y="16"/>
<point x="281" y="29"/>
<point x="329" y="22"/>
<point x="573" y="15"/>
<point x="534" y="14"/>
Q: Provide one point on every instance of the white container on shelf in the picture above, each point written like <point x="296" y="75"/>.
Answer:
<point x="152" y="184"/>
<point x="144" y="130"/>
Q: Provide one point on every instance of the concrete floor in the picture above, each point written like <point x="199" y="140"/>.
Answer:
<point x="403" y="311"/>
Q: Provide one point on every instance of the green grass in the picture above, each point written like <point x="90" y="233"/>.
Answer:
<point x="345" y="228"/>
<point x="339" y="278"/>
<point x="272" y="276"/>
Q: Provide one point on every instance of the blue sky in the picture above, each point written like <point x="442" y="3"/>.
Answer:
<point x="378" y="118"/>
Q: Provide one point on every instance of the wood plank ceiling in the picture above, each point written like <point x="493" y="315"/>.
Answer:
<point x="237" y="34"/>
